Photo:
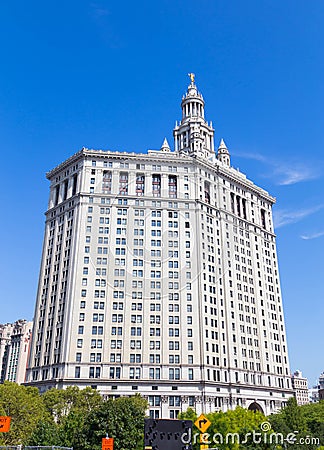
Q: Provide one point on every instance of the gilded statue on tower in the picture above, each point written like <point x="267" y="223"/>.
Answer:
<point x="192" y="77"/>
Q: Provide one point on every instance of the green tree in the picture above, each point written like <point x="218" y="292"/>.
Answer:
<point x="232" y="430"/>
<point x="60" y="402"/>
<point x="301" y="421"/>
<point x="26" y="408"/>
<point x="46" y="433"/>
<point x="70" y="429"/>
<point x="314" y="417"/>
<point x="122" y="419"/>
<point x="67" y="409"/>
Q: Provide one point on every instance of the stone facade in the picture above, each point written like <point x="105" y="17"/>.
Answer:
<point x="14" y="350"/>
<point x="159" y="276"/>
<point x="300" y="387"/>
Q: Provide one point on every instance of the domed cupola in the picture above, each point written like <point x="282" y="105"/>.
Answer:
<point x="193" y="135"/>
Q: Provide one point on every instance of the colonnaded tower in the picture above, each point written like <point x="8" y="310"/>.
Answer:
<point x="159" y="276"/>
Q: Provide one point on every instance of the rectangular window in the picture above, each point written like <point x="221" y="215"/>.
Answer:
<point x="123" y="183"/>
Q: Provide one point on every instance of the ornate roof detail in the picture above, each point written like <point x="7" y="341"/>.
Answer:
<point x="165" y="146"/>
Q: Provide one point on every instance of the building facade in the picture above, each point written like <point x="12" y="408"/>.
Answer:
<point x="5" y="340"/>
<point x="15" y="341"/>
<point x="159" y="276"/>
<point x="300" y="387"/>
<point x="321" y="386"/>
<point x="316" y="393"/>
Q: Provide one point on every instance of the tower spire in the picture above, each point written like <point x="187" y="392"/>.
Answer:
<point x="165" y="146"/>
<point x="194" y="136"/>
<point x="223" y="153"/>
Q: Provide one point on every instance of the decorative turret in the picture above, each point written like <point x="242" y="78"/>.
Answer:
<point x="223" y="154"/>
<point x="192" y="103"/>
<point x="194" y="136"/>
<point x="165" y="146"/>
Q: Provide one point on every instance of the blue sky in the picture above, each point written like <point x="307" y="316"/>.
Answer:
<point x="110" y="75"/>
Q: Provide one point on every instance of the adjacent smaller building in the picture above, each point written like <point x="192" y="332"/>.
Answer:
<point x="14" y="350"/>
<point x="313" y="394"/>
<point x="321" y="387"/>
<point x="5" y="340"/>
<point x="300" y="387"/>
<point x="316" y="393"/>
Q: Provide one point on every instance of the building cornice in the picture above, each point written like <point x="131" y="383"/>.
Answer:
<point x="228" y="173"/>
<point x="72" y="159"/>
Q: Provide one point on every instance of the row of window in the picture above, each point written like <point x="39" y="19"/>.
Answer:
<point x="153" y="345"/>
<point x="137" y="166"/>
<point x="134" y="373"/>
<point x="153" y="295"/>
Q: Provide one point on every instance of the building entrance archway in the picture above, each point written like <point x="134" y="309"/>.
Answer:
<point x="256" y="407"/>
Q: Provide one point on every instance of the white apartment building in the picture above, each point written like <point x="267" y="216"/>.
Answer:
<point x="300" y="387"/>
<point x="14" y="350"/>
<point x="159" y="276"/>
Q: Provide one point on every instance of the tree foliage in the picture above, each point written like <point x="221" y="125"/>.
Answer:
<point x="80" y="418"/>
<point x="231" y="430"/>
<point x="61" y="402"/>
<point x="304" y="422"/>
<point x="122" y="419"/>
<point x="45" y="433"/>
<point x="314" y="417"/>
<point x="26" y="408"/>
<point x="67" y="409"/>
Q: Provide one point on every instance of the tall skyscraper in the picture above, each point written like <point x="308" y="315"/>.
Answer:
<point x="159" y="276"/>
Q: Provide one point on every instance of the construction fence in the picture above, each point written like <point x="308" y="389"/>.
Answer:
<point x="37" y="447"/>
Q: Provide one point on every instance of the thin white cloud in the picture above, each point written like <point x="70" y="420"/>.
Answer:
<point x="283" y="217"/>
<point x="292" y="175"/>
<point x="99" y="11"/>
<point x="255" y="156"/>
<point x="284" y="173"/>
<point x="307" y="237"/>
